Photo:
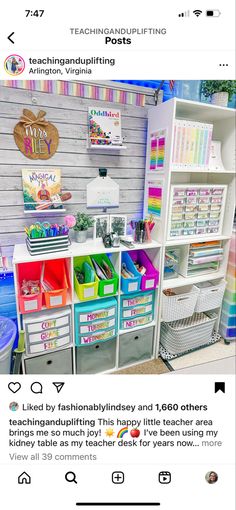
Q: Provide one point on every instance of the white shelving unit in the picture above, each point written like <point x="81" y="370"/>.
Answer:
<point x="162" y="117"/>
<point x="21" y="256"/>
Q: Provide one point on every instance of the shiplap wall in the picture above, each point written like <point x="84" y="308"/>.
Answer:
<point x="78" y="165"/>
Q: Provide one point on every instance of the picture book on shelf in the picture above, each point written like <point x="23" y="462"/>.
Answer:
<point x="41" y="187"/>
<point x="104" y="126"/>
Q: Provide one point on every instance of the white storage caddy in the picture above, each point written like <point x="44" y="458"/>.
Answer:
<point x="210" y="296"/>
<point x="181" y="305"/>
<point x="184" y="335"/>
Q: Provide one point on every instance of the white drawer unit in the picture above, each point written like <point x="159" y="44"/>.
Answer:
<point x="47" y="331"/>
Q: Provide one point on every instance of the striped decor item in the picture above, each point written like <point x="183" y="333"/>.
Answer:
<point x="76" y="89"/>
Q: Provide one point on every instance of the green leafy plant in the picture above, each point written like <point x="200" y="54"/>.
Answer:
<point x="83" y="221"/>
<point x="210" y="87"/>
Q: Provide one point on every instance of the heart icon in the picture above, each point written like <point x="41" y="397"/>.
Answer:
<point x="14" y="387"/>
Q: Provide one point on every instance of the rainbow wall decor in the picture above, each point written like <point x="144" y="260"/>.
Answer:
<point x="154" y="198"/>
<point x="76" y="89"/>
<point x="157" y="153"/>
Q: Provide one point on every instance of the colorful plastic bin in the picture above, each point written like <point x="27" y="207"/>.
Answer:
<point x="150" y="279"/>
<point x="85" y="291"/>
<point x="106" y="287"/>
<point x="96" y="321"/>
<point x="29" y="271"/>
<point x="8" y="333"/>
<point x="54" y="274"/>
<point x="130" y="284"/>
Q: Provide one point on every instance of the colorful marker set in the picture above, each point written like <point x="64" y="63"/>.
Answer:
<point x="192" y="144"/>
<point x="45" y="229"/>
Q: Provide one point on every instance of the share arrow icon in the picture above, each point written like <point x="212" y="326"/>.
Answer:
<point x="58" y="386"/>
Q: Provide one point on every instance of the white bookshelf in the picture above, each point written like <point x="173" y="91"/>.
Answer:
<point x="91" y="247"/>
<point x="223" y="119"/>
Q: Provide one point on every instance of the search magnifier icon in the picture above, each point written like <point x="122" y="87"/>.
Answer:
<point x="70" y="477"/>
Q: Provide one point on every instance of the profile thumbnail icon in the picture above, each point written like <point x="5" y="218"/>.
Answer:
<point x="13" y="406"/>
<point x="14" y="65"/>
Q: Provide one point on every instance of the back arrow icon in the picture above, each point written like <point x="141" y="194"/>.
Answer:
<point x="10" y="38"/>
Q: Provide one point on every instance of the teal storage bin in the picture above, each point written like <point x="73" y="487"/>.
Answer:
<point x="95" y="321"/>
<point x="229" y="308"/>
<point x="137" y="305"/>
<point x="130" y="284"/>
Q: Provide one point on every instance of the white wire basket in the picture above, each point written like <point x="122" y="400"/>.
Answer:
<point x="181" y="305"/>
<point x="186" y="334"/>
<point x="210" y="296"/>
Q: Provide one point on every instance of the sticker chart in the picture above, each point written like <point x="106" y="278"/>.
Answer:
<point x="157" y="157"/>
<point x="154" y="198"/>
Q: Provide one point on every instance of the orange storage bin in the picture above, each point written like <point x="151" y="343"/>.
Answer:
<point x="29" y="271"/>
<point x="55" y="277"/>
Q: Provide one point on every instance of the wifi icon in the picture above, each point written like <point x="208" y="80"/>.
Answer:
<point x="197" y="12"/>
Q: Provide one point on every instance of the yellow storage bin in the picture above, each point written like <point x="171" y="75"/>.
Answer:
<point x="85" y="291"/>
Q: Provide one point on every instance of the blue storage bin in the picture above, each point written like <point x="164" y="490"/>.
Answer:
<point x="95" y="321"/>
<point x="227" y="333"/>
<point x="228" y="320"/>
<point x="130" y="284"/>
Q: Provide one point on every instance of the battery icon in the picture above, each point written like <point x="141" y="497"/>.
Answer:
<point x="215" y="13"/>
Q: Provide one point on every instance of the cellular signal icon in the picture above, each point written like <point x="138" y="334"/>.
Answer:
<point x="197" y="12"/>
<point x="184" y="14"/>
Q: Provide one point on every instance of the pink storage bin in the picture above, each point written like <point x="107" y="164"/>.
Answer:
<point x="29" y="271"/>
<point x="151" y="278"/>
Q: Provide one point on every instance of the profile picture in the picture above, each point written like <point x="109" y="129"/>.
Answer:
<point x="211" y="477"/>
<point x="14" y="65"/>
<point x="13" y="406"/>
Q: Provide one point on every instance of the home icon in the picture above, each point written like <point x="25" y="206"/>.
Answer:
<point x="24" y="478"/>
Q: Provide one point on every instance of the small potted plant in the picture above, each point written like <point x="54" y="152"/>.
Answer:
<point x="83" y="223"/>
<point x="220" y="91"/>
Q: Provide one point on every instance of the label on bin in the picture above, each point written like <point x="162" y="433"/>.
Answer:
<point x="137" y="311"/>
<point x="90" y="328"/>
<point x="48" y="335"/>
<point x="50" y="345"/>
<point x="133" y="286"/>
<point x="141" y="321"/>
<point x="149" y="284"/>
<point x="89" y="292"/>
<point x="55" y="300"/>
<point x="98" y="314"/>
<point x="47" y="323"/>
<point x="109" y="289"/>
<point x="31" y="305"/>
<point x="104" y="335"/>
<point x="138" y="300"/>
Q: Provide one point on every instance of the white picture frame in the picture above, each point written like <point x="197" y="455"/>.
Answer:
<point x="101" y="226"/>
<point x="118" y="224"/>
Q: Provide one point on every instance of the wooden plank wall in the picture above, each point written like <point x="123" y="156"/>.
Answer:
<point x="78" y="165"/>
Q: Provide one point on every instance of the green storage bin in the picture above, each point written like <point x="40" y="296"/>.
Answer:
<point x="106" y="287"/>
<point x="85" y="291"/>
